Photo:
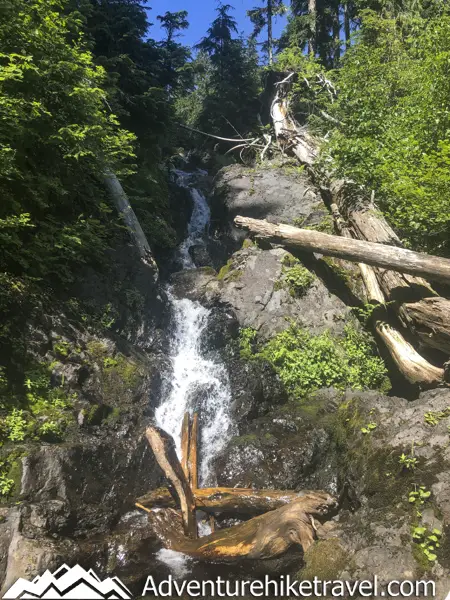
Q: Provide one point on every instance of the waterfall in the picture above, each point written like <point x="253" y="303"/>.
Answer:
<point x="199" y="222"/>
<point x="196" y="382"/>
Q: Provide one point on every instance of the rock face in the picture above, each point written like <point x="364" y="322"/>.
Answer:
<point x="377" y="538"/>
<point x="256" y="290"/>
<point x="279" y="193"/>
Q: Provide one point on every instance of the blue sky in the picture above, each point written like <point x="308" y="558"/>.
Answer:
<point x="201" y="13"/>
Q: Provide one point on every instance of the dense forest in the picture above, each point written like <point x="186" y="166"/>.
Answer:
<point x="87" y="93"/>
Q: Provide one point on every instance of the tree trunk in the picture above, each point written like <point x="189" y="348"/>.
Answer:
<point x="164" y="450"/>
<point x="292" y="138"/>
<point x="312" y="9"/>
<point x="193" y="454"/>
<point x="128" y="215"/>
<point x="266" y="536"/>
<point x="337" y="35"/>
<point x="429" y="320"/>
<point x="346" y="25"/>
<point x="269" y="31"/>
<point x="241" y="501"/>
<point x="405" y="261"/>
<point x="185" y="440"/>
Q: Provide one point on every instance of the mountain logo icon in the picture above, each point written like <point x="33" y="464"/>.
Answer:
<point x="74" y="583"/>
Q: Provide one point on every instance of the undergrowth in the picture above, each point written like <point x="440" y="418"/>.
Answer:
<point x="307" y="362"/>
<point x="294" y="277"/>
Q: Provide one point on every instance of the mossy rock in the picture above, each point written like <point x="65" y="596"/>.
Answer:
<point x="325" y="559"/>
<point x="229" y="272"/>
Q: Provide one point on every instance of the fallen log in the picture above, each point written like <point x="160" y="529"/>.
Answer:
<point x="266" y="536"/>
<point x="164" y="450"/>
<point x="417" y="305"/>
<point x="428" y="320"/>
<point x="370" y="253"/>
<point x="125" y="210"/>
<point x="410" y="363"/>
<point x="245" y="501"/>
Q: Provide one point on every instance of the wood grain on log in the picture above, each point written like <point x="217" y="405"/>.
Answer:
<point x="266" y="536"/>
<point x="419" y="308"/>
<point x="409" y="362"/>
<point x="185" y="440"/>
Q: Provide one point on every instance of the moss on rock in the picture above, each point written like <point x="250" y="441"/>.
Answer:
<point x="325" y="559"/>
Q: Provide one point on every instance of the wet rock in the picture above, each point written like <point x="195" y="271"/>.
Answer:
<point x="193" y="283"/>
<point x="200" y="256"/>
<point x="281" y="450"/>
<point x="256" y="389"/>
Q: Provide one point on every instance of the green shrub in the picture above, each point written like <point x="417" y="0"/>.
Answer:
<point x="247" y="338"/>
<point x="298" y="280"/>
<point x="6" y="485"/>
<point x="16" y="425"/>
<point x="307" y="362"/>
<point x="294" y="276"/>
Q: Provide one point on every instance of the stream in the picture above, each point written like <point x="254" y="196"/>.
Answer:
<point x="196" y="382"/>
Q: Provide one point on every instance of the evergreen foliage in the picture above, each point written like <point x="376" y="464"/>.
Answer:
<point x="224" y="98"/>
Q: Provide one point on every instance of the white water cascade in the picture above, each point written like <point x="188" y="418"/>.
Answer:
<point x="199" y="222"/>
<point x="197" y="382"/>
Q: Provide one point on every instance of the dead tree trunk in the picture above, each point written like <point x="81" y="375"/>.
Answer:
<point x="292" y="138"/>
<point x="244" y="501"/>
<point x="128" y="215"/>
<point x="417" y="305"/>
<point x="413" y="366"/>
<point x="415" y="302"/>
<point x="185" y="438"/>
<point x="193" y="453"/>
<point x="408" y="361"/>
<point x="405" y="261"/>
<point x="164" y="450"/>
<point x="266" y="536"/>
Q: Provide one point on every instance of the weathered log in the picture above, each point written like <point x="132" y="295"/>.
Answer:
<point x="125" y="210"/>
<point x="164" y="450"/>
<point x="193" y="454"/>
<point x="370" y="253"/>
<point x="417" y="305"/>
<point x="266" y="536"/>
<point x="429" y="319"/>
<point x="408" y="361"/>
<point x="245" y="501"/>
<point x="185" y="439"/>
<point x="374" y="293"/>
<point x="415" y="302"/>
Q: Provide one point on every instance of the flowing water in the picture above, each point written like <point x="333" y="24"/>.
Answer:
<point x="199" y="222"/>
<point x="197" y="381"/>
